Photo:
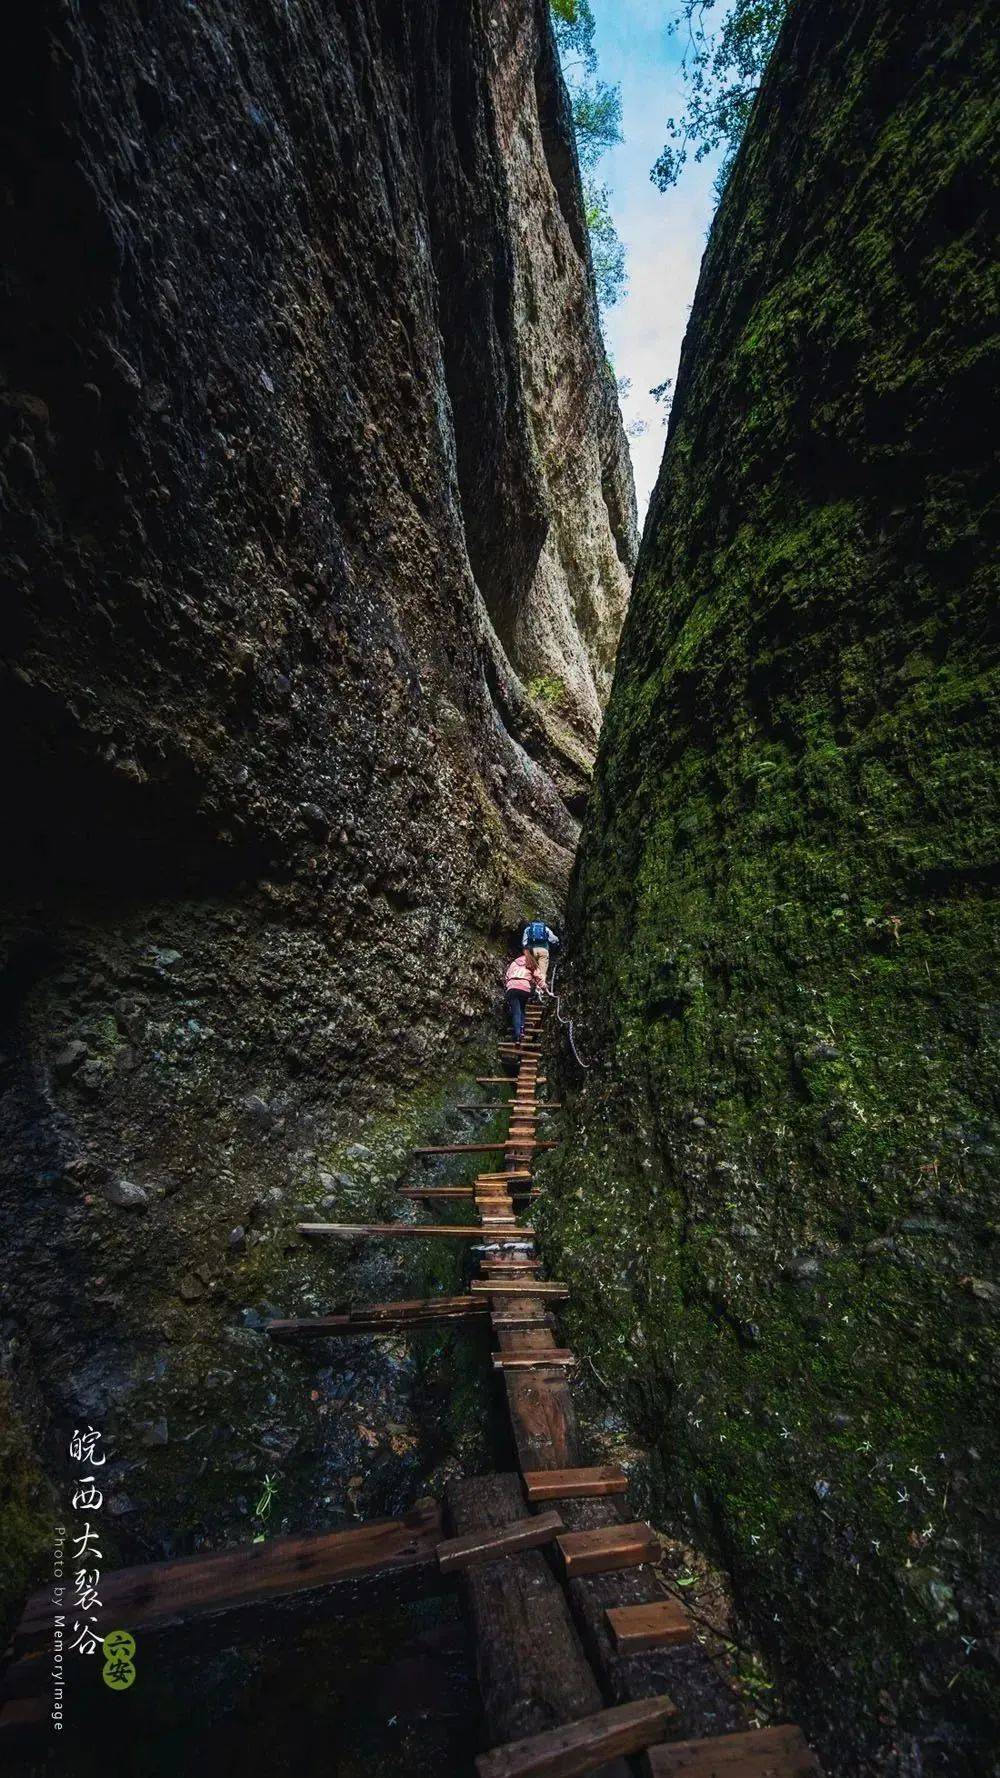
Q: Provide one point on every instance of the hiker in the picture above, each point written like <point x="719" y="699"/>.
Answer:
<point x="538" y="939"/>
<point x="520" y="980"/>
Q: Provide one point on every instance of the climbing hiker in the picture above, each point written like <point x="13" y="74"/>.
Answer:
<point x="538" y="940"/>
<point x="520" y="980"/>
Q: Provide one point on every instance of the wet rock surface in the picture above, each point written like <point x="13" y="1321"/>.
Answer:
<point x="312" y="473"/>
<point x="777" y="1211"/>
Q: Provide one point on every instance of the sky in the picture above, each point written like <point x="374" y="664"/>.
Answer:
<point x="664" y="233"/>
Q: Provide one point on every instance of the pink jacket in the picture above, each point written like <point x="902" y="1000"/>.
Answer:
<point x="519" y="976"/>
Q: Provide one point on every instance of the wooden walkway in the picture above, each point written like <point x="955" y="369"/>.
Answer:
<point x="577" y="1643"/>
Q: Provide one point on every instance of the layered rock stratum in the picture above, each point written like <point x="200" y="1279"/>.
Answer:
<point x="318" y="523"/>
<point x="778" y="1213"/>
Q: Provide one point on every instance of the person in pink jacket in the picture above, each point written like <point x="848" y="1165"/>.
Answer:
<point x="521" y="977"/>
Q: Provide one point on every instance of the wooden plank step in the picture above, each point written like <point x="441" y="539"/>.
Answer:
<point x="436" y="1193"/>
<point x="611" y="1546"/>
<point x="583" y="1746"/>
<point x="384" y="1319"/>
<point x="390" y="1311"/>
<point x="482" y="1147"/>
<point x="511" y="1174"/>
<point x="505" y="1104"/>
<point x="526" y="1287"/>
<point x="503" y="1080"/>
<point x="533" y="1361"/>
<point x="777" y="1752"/>
<point x="462" y="1148"/>
<point x="636" y="1628"/>
<point x="489" y="1545"/>
<point x="405" y="1231"/>
<point x="573" y="1484"/>
<point x="223" y="1592"/>
<point x="505" y="1268"/>
<point x="520" y="1323"/>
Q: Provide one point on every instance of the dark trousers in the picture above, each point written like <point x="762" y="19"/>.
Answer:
<point x="517" y="1001"/>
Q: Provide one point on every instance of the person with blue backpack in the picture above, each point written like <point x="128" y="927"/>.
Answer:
<point x="539" y="940"/>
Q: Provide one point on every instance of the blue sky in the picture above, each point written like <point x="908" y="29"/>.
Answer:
<point x="664" y="233"/>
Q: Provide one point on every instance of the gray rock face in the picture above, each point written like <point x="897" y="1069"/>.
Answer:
<point x="313" y="483"/>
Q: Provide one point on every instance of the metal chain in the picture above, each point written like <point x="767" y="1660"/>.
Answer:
<point x="563" y="1021"/>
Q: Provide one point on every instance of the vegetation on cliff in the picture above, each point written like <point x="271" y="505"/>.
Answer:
<point x="778" y="1211"/>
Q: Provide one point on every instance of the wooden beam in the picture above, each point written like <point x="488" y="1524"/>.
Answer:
<point x="531" y="1668"/>
<point x="381" y="1318"/>
<point x="636" y="1628"/>
<point x="436" y="1193"/>
<point x="489" y="1545"/>
<point x="609" y="1547"/>
<point x="503" y="1080"/>
<point x="583" y="1746"/>
<point x="512" y="1323"/>
<point x="533" y="1361"/>
<point x="227" y="1591"/>
<point x="573" y="1484"/>
<point x="406" y="1231"/>
<point x="483" y="1147"/>
<point x="505" y="1104"/>
<point x="527" y="1287"/>
<point x="389" y="1311"/>
<point x="777" y="1752"/>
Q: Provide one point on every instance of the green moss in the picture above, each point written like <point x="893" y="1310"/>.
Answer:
<point x="778" y="1199"/>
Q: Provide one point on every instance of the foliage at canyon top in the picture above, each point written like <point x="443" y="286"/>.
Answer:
<point x="597" y="124"/>
<point x="778" y="1210"/>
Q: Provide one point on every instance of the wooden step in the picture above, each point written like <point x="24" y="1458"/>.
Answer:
<point x="636" y="1628"/>
<point x="777" y="1752"/>
<point x="405" y="1231"/>
<point x="505" y="1178"/>
<point x="526" y="1287"/>
<point x="439" y="1193"/>
<point x="223" y="1592"/>
<point x="462" y="1148"/>
<point x="504" y="1267"/>
<point x="583" y="1746"/>
<point x="503" y="1080"/>
<point x="379" y="1318"/>
<point x="573" y="1484"/>
<point x="518" y="1324"/>
<point x="506" y="1104"/>
<point x="488" y="1546"/>
<point x="419" y="1304"/>
<point x="482" y="1147"/>
<point x="533" y="1361"/>
<point x="609" y="1547"/>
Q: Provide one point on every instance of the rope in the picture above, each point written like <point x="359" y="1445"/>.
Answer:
<point x="564" y="1021"/>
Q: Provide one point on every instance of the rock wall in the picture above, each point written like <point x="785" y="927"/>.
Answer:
<point x="778" y="1213"/>
<point x="305" y="483"/>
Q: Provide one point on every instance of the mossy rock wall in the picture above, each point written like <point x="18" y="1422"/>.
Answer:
<point x="778" y="1213"/>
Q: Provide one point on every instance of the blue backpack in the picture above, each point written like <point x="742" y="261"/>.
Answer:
<point x="537" y="933"/>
